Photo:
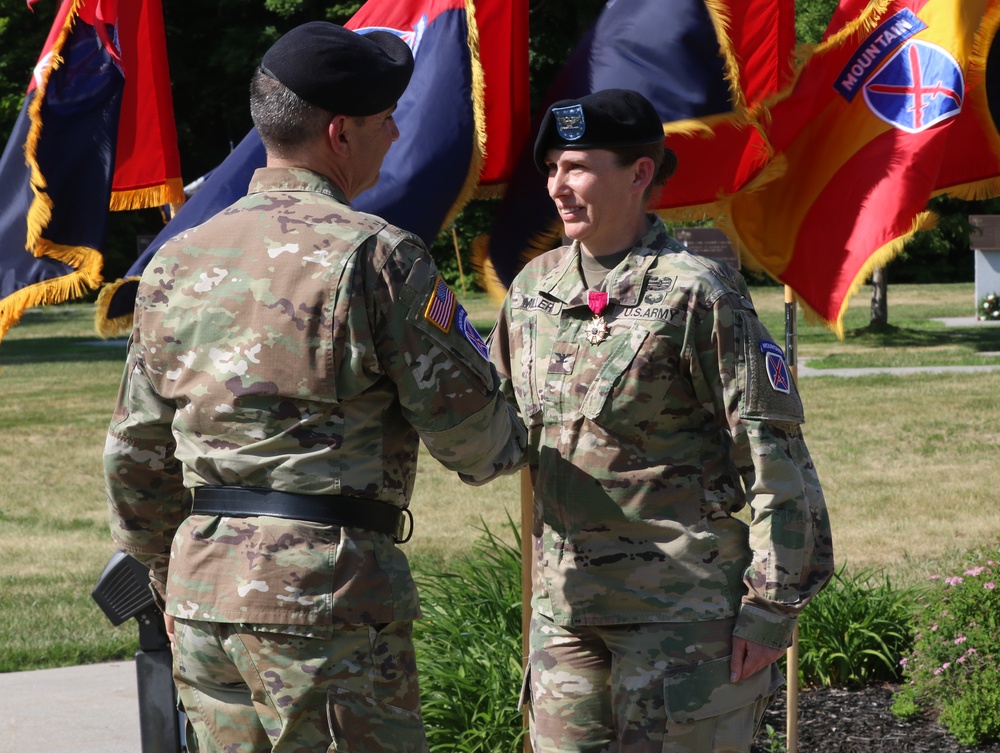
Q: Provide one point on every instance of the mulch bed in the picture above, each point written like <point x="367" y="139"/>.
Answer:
<point x="834" y="720"/>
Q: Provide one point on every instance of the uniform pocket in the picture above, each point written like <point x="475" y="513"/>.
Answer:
<point x="704" y="690"/>
<point x="361" y="724"/>
<point x="631" y="384"/>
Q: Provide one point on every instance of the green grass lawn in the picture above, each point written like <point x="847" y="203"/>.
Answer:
<point x="908" y="464"/>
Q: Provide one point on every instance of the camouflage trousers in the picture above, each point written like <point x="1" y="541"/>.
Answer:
<point x="648" y="688"/>
<point x="251" y="689"/>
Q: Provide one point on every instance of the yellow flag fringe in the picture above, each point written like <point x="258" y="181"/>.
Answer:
<point x="729" y="59"/>
<point x="469" y="189"/>
<point x="976" y="80"/>
<point x="169" y="192"/>
<point x="105" y="326"/>
<point x="85" y="277"/>
<point x="486" y="273"/>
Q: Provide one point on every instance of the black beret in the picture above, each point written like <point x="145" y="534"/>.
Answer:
<point x="343" y="72"/>
<point x="606" y="119"/>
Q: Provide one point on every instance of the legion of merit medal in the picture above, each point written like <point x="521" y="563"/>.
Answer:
<point x="597" y="330"/>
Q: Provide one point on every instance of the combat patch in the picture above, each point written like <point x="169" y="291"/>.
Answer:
<point x="764" y="378"/>
<point x="470" y="332"/>
<point x="440" y="309"/>
<point x="777" y="371"/>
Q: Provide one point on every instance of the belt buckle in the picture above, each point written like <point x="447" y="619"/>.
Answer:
<point x="401" y="526"/>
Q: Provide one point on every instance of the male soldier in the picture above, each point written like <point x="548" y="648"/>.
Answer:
<point x="286" y="357"/>
<point x="657" y="406"/>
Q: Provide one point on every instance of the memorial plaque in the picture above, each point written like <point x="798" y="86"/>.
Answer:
<point x="985" y="234"/>
<point x="709" y="242"/>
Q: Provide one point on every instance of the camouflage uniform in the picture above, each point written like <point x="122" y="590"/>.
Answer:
<point x="295" y="344"/>
<point x="643" y="446"/>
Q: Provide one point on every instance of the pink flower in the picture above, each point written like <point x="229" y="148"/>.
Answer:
<point x="975" y="571"/>
<point x="935" y="577"/>
<point x="954" y="580"/>
<point x="960" y="639"/>
<point x="989" y="586"/>
<point x="937" y="671"/>
<point x="933" y="627"/>
<point x="961" y="659"/>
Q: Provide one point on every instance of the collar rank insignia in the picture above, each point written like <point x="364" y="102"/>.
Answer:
<point x="777" y="371"/>
<point x="570" y="124"/>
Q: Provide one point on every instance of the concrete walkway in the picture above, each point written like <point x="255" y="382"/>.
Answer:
<point x="88" y="709"/>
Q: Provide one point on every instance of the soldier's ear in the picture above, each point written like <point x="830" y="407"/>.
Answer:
<point x="642" y="173"/>
<point x="338" y="134"/>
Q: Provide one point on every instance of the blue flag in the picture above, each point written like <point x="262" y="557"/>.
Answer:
<point x="55" y="181"/>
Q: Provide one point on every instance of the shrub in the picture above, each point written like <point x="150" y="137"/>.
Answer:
<point x="989" y="308"/>
<point x="855" y="631"/>
<point x="469" y="650"/>
<point x="952" y="669"/>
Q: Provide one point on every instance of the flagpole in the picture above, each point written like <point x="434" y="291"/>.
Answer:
<point x="792" y="657"/>
<point x="527" y="547"/>
<point x="458" y="258"/>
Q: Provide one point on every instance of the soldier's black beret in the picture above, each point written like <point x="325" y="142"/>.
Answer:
<point x="343" y="72"/>
<point x="606" y="119"/>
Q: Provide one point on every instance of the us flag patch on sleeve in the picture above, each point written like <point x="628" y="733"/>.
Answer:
<point x="441" y="307"/>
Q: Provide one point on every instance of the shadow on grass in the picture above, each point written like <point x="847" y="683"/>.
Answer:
<point x="87" y="349"/>
<point x="976" y="338"/>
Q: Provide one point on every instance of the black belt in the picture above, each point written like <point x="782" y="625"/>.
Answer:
<point x="327" y="509"/>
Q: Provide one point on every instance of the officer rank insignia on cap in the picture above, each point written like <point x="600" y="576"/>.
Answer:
<point x="441" y="307"/>
<point x="777" y="371"/>
<point x="570" y="124"/>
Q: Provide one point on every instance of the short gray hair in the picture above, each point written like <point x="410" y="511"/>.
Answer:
<point x="284" y="120"/>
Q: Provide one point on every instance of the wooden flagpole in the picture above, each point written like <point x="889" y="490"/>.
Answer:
<point x="527" y="549"/>
<point x="792" y="657"/>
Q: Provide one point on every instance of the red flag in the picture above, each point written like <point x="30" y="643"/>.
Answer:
<point x="503" y="50"/>
<point x="890" y="110"/>
<point x="147" y="163"/>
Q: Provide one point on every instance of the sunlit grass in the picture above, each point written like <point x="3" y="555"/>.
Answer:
<point x="908" y="465"/>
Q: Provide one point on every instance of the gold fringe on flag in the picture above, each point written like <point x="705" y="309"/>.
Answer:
<point x="86" y="262"/>
<point x="86" y="277"/>
<point x="169" y="192"/>
<point x="468" y="191"/>
<point x="976" y="85"/>
<point x="888" y="252"/>
<point x="105" y="326"/>
<point x="486" y="273"/>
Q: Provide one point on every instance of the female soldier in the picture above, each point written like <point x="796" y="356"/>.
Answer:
<point x="658" y="406"/>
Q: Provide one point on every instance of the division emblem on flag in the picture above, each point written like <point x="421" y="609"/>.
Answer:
<point x="917" y="88"/>
<point x="440" y="309"/>
<point x="412" y="38"/>
<point x="569" y="121"/>
<point x="777" y="371"/>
